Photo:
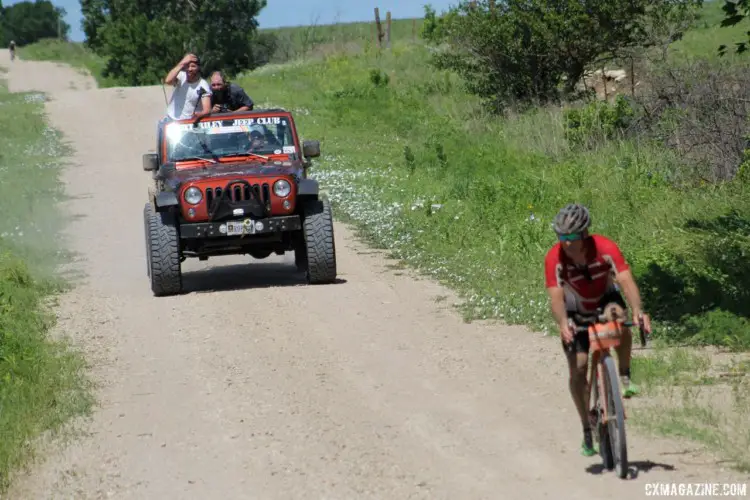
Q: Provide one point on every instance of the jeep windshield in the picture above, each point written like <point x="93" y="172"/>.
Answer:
<point x="210" y="140"/>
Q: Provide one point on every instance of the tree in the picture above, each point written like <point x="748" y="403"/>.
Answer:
<point x="28" y="22"/>
<point x="734" y="13"/>
<point x="143" y="39"/>
<point x="94" y="16"/>
<point x="2" y="22"/>
<point x="522" y="50"/>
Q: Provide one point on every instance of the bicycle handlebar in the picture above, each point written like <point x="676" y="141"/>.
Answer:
<point x="585" y="328"/>
<point x="599" y="317"/>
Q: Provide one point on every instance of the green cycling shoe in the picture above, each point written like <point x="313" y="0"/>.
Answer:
<point x="588" y="451"/>
<point x="630" y="389"/>
<point x="587" y="444"/>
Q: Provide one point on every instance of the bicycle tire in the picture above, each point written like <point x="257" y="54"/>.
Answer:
<point x="602" y="434"/>
<point x="616" y="425"/>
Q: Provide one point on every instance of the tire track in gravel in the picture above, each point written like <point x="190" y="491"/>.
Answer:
<point x="254" y="385"/>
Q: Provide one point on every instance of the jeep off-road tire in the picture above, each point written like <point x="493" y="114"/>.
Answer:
<point x="163" y="252"/>
<point x="319" y="246"/>
<point x="147" y="211"/>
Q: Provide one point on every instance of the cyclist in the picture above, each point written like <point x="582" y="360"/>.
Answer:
<point x="582" y="272"/>
<point x="12" y="48"/>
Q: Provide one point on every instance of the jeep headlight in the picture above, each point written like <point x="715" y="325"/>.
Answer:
<point x="193" y="195"/>
<point x="282" y="188"/>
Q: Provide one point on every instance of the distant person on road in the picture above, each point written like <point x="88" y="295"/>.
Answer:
<point x="191" y="97"/>
<point x="227" y="96"/>
<point x="12" y="48"/>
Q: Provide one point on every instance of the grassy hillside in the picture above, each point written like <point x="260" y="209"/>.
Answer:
<point x="703" y="41"/>
<point x="316" y="40"/>
<point x="41" y="379"/>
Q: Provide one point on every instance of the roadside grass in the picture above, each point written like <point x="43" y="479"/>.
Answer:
<point x="72" y="53"/>
<point x="694" y="395"/>
<point x="42" y="382"/>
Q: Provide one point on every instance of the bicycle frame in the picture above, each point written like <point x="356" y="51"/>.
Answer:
<point x="604" y="335"/>
<point x="603" y="380"/>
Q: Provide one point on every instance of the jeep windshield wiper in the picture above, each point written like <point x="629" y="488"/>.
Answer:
<point x="250" y="154"/>
<point x="193" y="158"/>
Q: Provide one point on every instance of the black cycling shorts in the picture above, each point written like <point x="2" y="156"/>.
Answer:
<point x="581" y="339"/>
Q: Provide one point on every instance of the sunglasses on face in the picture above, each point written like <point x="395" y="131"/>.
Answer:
<point x="570" y="237"/>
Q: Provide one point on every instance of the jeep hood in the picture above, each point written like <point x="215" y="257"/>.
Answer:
<point x="218" y="171"/>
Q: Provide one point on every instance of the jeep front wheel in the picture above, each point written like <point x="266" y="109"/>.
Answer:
<point x="319" y="247"/>
<point x="147" y="211"/>
<point x="163" y="253"/>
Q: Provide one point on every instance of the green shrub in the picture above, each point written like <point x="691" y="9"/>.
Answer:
<point x="598" y="122"/>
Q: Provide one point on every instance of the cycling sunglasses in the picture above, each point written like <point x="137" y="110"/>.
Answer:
<point x="570" y="237"/>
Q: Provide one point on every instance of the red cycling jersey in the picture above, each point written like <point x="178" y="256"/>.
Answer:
<point x="604" y="261"/>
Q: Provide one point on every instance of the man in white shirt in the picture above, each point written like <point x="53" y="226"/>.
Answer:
<point x="191" y="97"/>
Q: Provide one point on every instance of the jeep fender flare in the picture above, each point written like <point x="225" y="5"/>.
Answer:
<point x="165" y="200"/>
<point x="307" y="187"/>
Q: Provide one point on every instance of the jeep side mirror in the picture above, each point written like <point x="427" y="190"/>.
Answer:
<point x="311" y="149"/>
<point x="150" y="162"/>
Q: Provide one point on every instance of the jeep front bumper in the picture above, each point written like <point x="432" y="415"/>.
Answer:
<point x="240" y="227"/>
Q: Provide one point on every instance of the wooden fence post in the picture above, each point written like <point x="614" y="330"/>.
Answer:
<point x="379" y="28"/>
<point x="388" y="29"/>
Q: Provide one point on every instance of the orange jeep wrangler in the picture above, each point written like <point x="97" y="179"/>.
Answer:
<point x="234" y="183"/>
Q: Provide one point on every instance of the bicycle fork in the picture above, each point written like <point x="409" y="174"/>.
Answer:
<point x="600" y="404"/>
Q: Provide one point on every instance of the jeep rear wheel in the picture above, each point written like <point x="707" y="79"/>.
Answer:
<point x="319" y="246"/>
<point x="163" y="253"/>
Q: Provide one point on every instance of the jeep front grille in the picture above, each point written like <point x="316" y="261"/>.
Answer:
<point x="241" y="192"/>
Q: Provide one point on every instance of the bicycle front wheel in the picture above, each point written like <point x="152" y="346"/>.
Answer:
<point x="616" y="418"/>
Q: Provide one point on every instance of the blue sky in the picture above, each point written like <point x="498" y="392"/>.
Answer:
<point x="295" y="12"/>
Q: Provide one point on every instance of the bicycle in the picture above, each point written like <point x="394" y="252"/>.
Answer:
<point x="604" y="334"/>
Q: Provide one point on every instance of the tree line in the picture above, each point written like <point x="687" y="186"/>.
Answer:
<point x="28" y="22"/>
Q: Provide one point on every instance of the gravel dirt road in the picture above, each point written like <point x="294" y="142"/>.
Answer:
<point x="253" y="385"/>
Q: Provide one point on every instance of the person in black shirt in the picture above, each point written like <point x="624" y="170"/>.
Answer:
<point x="226" y="96"/>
